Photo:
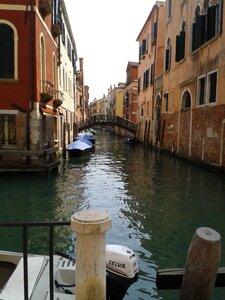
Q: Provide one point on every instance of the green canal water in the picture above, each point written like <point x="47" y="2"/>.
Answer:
<point x="156" y="203"/>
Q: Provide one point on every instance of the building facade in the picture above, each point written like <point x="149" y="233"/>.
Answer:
<point x="151" y="45"/>
<point x="192" y="113"/>
<point x="31" y="95"/>
<point x="130" y="93"/>
<point x="67" y="81"/>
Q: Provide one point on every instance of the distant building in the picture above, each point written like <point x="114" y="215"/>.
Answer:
<point x="82" y="95"/>
<point x="150" y="70"/>
<point x="131" y="92"/>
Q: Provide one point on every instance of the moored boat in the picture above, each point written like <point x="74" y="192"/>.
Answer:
<point x="80" y="147"/>
<point x="86" y="136"/>
<point x="121" y="272"/>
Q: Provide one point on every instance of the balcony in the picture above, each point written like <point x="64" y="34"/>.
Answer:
<point x="57" y="27"/>
<point x="58" y="99"/>
<point x="45" y="6"/>
<point x="47" y="92"/>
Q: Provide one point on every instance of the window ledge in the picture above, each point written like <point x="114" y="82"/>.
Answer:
<point x="181" y="61"/>
<point x="8" y="80"/>
<point x="206" y="44"/>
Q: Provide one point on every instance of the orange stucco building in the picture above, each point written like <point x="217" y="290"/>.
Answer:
<point x="192" y="111"/>
<point x="150" y="70"/>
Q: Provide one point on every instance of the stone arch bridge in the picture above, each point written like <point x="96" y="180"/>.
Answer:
<point x="108" y="120"/>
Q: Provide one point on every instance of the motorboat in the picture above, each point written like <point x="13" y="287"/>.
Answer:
<point x="80" y="147"/>
<point x="121" y="272"/>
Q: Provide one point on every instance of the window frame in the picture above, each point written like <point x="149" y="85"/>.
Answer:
<point x="5" y="116"/>
<point x="15" y="50"/>
<point x="209" y="84"/>
<point x="198" y="102"/>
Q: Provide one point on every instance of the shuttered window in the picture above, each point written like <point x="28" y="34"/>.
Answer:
<point x="212" y="84"/>
<point x="201" y="91"/>
<point x="205" y="27"/>
<point x="180" y="46"/>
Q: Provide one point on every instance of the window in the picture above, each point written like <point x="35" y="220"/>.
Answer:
<point x="180" y="43"/>
<point x="201" y="91"/>
<point x="186" y="101"/>
<point x="167" y="55"/>
<point x="198" y="29"/>
<point x="211" y="87"/>
<point x="153" y="31"/>
<point x="145" y="79"/>
<point x="169" y="8"/>
<point x="152" y="73"/>
<point x="8" y="51"/>
<point x="139" y="85"/>
<point x="166" y="103"/>
<point x="7" y="130"/>
<point x="207" y="23"/>
<point x="63" y="34"/>
<point x="143" y="48"/>
<point x="42" y="64"/>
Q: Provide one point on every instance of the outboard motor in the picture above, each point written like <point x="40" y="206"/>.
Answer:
<point x="121" y="271"/>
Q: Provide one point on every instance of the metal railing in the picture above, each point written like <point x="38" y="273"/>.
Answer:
<point x="24" y="227"/>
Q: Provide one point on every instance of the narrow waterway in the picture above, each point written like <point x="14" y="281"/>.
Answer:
<point x="156" y="203"/>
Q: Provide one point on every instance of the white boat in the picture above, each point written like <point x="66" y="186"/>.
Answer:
<point x="121" y="272"/>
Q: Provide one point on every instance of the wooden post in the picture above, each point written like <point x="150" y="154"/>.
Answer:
<point x="90" y="280"/>
<point x="201" y="265"/>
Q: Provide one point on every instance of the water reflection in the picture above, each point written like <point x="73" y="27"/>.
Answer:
<point x="155" y="201"/>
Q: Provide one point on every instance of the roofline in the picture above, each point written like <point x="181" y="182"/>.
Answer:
<point x="155" y="6"/>
<point x="65" y="14"/>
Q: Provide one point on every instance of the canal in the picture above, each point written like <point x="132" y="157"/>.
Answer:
<point x="156" y="203"/>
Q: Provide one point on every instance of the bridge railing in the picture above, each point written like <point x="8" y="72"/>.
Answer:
<point x="112" y="120"/>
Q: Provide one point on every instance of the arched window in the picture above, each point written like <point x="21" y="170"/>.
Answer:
<point x="186" y="101"/>
<point x="42" y="63"/>
<point x="167" y="55"/>
<point x="180" y="43"/>
<point x="207" y="22"/>
<point x="198" y="29"/>
<point x="8" y="50"/>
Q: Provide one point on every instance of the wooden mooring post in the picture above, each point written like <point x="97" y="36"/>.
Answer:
<point x="90" y="227"/>
<point x="201" y="273"/>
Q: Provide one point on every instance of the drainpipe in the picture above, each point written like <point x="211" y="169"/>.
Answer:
<point x="153" y="88"/>
<point x="31" y="81"/>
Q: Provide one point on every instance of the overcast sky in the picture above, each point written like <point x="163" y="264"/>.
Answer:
<point x="105" y="32"/>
